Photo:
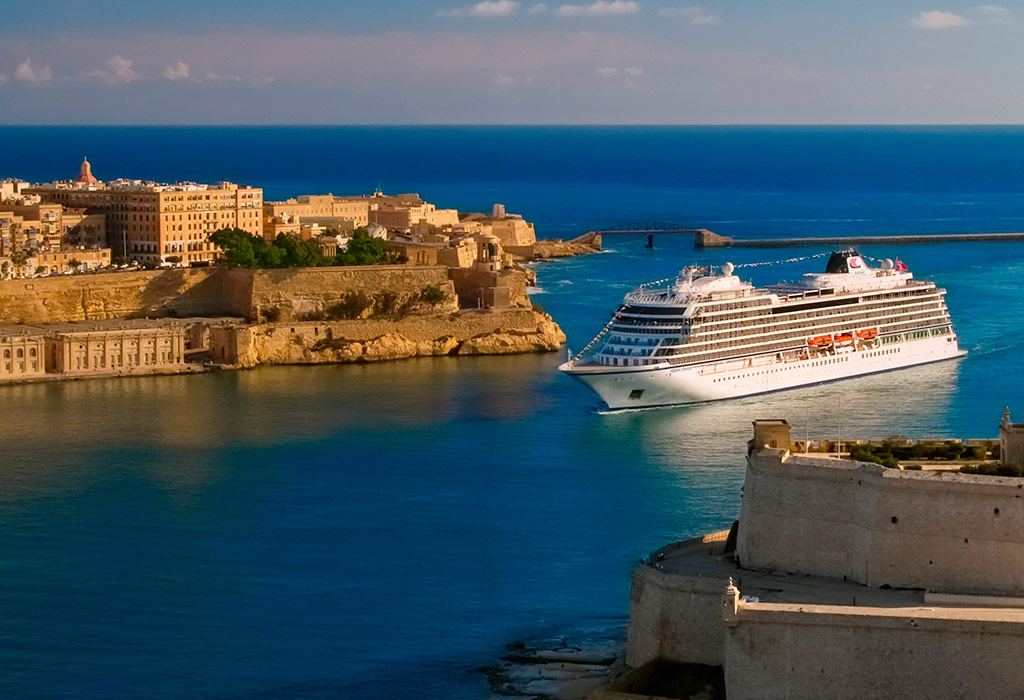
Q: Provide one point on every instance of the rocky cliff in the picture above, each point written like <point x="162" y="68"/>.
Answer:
<point x="462" y="333"/>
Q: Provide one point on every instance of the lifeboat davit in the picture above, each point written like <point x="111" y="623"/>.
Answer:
<point x="821" y="341"/>
<point x="867" y="334"/>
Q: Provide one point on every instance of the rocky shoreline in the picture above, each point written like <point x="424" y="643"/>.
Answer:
<point x="460" y="333"/>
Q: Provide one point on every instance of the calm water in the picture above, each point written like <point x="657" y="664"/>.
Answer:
<point x="379" y="532"/>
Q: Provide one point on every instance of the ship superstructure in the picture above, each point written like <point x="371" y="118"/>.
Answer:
<point x="709" y="335"/>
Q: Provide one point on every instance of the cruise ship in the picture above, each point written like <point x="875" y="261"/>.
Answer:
<point x="709" y="335"/>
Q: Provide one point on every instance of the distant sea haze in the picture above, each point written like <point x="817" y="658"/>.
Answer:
<point x="379" y="532"/>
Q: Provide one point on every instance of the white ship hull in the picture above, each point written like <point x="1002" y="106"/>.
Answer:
<point x="667" y="384"/>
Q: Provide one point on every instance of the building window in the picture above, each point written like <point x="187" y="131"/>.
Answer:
<point x="7" y="354"/>
<point x="20" y="353"/>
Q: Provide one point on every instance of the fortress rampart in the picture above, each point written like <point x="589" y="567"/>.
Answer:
<point x="917" y="529"/>
<point x="214" y="291"/>
<point x="841" y="579"/>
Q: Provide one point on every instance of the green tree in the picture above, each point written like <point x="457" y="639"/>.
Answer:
<point x="363" y="250"/>
<point x="432" y="295"/>
<point x="19" y="260"/>
<point x="74" y="264"/>
<point x="238" y="246"/>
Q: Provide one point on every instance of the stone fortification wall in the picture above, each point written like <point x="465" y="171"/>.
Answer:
<point x="217" y="291"/>
<point x="178" y="292"/>
<point x="918" y="529"/>
<point x="371" y="340"/>
<point x="297" y="294"/>
<point x="675" y="617"/>
<point x="798" y="652"/>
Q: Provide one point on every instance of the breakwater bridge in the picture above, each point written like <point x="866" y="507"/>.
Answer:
<point x="703" y="238"/>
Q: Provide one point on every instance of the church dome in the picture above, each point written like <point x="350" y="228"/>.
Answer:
<point x="85" y="176"/>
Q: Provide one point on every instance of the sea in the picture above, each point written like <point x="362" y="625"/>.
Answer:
<point x="383" y="531"/>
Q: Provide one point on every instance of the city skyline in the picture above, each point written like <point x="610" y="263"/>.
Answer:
<point x="512" y="62"/>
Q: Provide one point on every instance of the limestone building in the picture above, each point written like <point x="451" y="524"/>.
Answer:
<point x="114" y="347"/>
<point x="1011" y="441"/>
<point x="843" y="579"/>
<point x="69" y="260"/>
<point x="22" y="353"/>
<point x="403" y="212"/>
<point x="325" y="211"/>
<point x="152" y="222"/>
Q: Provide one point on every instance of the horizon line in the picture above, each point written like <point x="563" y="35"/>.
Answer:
<point x="391" y="125"/>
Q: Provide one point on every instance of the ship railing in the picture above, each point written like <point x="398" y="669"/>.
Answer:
<point x="582" y="354"/>
<point x="645" y="296"/>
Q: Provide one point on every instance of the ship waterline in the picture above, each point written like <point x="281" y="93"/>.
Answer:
<point x="710" y="336"/>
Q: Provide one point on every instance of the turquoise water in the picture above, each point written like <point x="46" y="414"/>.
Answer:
<point x="381" y="531"/>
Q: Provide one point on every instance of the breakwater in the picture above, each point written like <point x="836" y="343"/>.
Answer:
<point x="703" y="238"/>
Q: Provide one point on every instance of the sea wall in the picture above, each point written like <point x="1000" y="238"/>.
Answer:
<point x="486" y="332"/>
<point x="297" y="294"/>
<point x="178" y="292"/>
<point x="675" y="617"/>
<point x="798" y="652"/>
<point x="879" y="526"/>
<point x="217" y="291"/>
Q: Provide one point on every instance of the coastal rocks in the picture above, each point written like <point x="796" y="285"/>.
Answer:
<point x="558" y="669"/>
<point x="556" y="248"/>
<point x="473" y="332"/>
<point x="544" y="337"/>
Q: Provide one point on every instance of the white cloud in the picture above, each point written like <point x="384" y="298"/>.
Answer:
<point x="508" y="81"/>
<point x="217" y="77"/>
<point x="601" y="8"/>
<point x="538" y="9"/>
<point x="994" y="11"/>
<point x="937" y="19"/>
<point x="995" y="14"/>
<point x="118" y="70"/>
<point x="176" y="71"/>
<point x="693" y="15"/>
<point x="487" y="8"/>
<point x="27" y="73"/>
<point x="630" y="77"/>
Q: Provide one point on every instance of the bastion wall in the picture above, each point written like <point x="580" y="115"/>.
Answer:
<point x="675" y="617"/>
<point x="941" y="531"/>
<point x="294" y="294"/>
<point x="214" y="291"/>
<point x="798" y="652"/>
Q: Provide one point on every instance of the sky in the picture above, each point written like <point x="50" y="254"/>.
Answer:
<point x="511" y="62"/>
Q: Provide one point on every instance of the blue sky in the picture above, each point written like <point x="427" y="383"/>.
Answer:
<point x="509" y="62"/>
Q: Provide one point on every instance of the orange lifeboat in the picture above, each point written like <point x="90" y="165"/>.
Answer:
<point x="821" y="341"/>
<point x="844" y="338"/>
<point x="867" y="333"/>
